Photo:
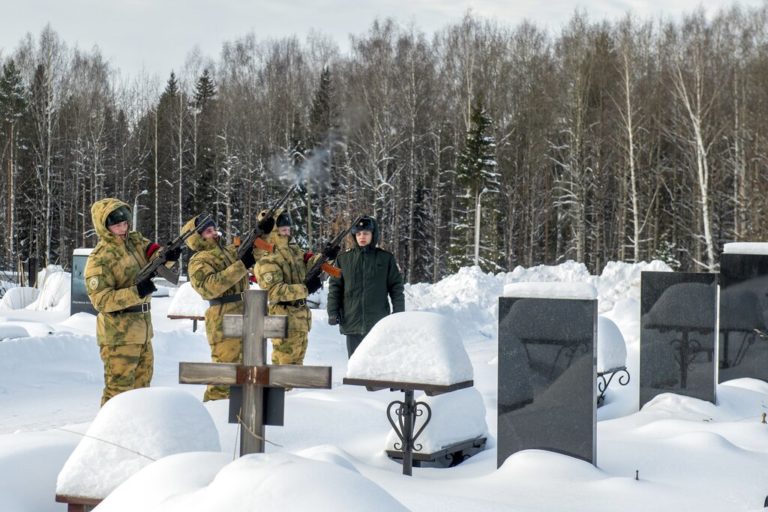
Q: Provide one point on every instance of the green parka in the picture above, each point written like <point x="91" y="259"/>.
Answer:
<point x="110" y="273"/>
<point x="369" y="277"/>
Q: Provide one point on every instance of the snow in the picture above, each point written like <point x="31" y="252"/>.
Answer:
<point x="18" y="297"/>
<point x="611" y="349"/>
<point x="687" y="454"/>
<point x="746" y="248"/>
<point x="187" y="302"/>
<point x="132" y="430"/>
<point x="535" y="290"/>
<point x="413" y="346"/>
<point x="55" y="292"/>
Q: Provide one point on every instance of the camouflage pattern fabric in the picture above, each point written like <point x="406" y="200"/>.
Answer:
<point x="126" y="367"/>
<point x="215" y="271"/>
<point x="282" y="275"/>
<point x="109" y="279"/>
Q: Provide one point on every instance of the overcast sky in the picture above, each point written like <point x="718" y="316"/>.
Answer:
<point x="157" y="35"/>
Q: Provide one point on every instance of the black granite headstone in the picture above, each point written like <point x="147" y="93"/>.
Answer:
<point x="547" y="372"/>
<point x="743" y="311"/>
<point x="678" y="315"/>
<point x="79" y="301"/>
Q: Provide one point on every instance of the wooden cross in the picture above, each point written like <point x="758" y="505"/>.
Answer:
<point x="254" y="375"/>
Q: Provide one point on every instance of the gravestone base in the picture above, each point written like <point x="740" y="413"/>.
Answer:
<point x="447" y="457"/>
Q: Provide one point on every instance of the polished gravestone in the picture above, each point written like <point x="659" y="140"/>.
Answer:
<point x="678" y="315"/>
<point x="743" y="348"/>
<point x="79" y="301"/>
<point x="547" y="368"/>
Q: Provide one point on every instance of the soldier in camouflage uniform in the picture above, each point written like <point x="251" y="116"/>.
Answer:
<point x="220" y="277"/>
<point x="282" y="274"/>
<point x="124" y="323"/>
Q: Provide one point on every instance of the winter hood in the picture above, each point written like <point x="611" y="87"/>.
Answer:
<point x="100" y="210"/>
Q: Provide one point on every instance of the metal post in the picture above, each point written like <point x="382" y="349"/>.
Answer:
<point x="409" y="411"/>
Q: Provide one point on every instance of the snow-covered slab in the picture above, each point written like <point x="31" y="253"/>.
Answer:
<point x="746" y="248"/>
<point x="187" y="302"/>
<point x="456" y="417"/>
<point x="611" y="348"/>
<point x="265" y="481"/>
<point x="10" y="331"/>
<point x="130" y="432"/>
<point x="551" y="290"/>
<point x="54" y="291"/>
<point x="414" y="346"/>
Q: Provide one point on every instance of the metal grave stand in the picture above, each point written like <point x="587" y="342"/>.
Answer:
<point x="255" y="376"/>
<point x="402" y="414"/>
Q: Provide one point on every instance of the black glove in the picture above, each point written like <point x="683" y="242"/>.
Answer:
<point x="266" y="225"/>
<point x="334" y="318"/>
<point x="145" y="287"/>
<point x="248" y="259"/>
<point x="313" y="284"/>
<point x="331" y="252"/>
<point x="173" y="254"/>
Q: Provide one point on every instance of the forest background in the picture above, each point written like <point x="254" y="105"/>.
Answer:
<point x="626" y="140"/>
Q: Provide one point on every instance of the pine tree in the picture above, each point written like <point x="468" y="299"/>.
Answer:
<point x="477" y="175"/>
<point x="205" y="156"/>
<point x="13" y="104"/>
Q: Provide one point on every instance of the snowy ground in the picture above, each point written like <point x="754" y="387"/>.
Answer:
<point x="675" y="454"/>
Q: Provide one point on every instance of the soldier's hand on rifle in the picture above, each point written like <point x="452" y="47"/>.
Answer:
<point x="266" y="225"/>
<point x="247" y="258"/>
<point x="145" y="287"/>
<point x="173" y="254"/>
<point x="313" y="284"/>
<point x="331" y="252"/>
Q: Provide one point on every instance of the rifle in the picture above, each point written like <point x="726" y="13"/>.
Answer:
<point x="159" y="266"/>
<point x="253" y="239"/>
<point x="322" y="265"/>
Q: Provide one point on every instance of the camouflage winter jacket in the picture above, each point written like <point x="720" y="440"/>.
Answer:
<point x="215" y="271"/>
<point x="110" y="273"/>
<point x="282" y="274"/>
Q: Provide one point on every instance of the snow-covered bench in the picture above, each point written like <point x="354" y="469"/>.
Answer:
<point x="415" y="351"/>
<point x="187" y="304"/>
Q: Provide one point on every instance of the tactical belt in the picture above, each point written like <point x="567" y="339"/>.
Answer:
<point x="237" y="297"/>
<point x="141" y="308"/>
<point x="294" y="303"/>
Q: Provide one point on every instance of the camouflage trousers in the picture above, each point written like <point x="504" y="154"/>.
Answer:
<point x="126" y="367"/>
<point x="290" y="350"/>
<point x="228" y="350"/>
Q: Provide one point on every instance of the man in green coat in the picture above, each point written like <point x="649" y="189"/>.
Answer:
<point x="124" y="323"/>
<point x="220" y="277"/>
<point x="369" y="280"/>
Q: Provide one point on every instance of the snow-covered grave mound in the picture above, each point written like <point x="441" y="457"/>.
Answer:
<point x="611" y="348"/>
<point x="746" y="248"/>
<point x="10" y="331"/>
<point x="551" y="290"/>
<point x="207" y="482"/>
<point x="19" y="328"/>
<point x="456" y="417"/>
<point x="131" y="431"/>
<point x="18" y="297"/>
<point x="187" y="302"/>
<point x="414" y="346"/>
<point x="55" y="291"/>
